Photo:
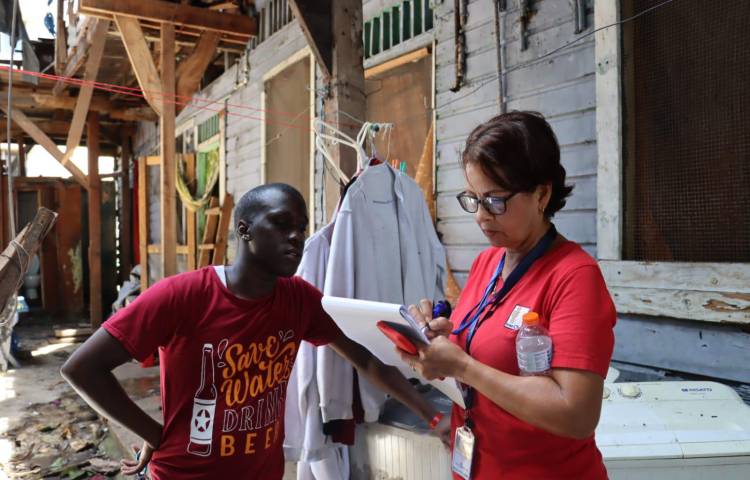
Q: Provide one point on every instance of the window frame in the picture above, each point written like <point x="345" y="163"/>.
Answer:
<point x="701" y="291"/>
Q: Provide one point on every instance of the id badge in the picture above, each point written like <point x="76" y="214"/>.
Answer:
<point x="463" y="452"/>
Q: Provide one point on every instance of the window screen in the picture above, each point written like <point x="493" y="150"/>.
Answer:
<point x="686" y="116"/>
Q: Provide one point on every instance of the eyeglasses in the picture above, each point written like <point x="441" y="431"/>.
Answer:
<point x="491" y="203"/>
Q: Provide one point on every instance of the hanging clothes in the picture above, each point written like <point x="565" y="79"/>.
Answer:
<point x="317" y="455"/>
<point x="384" y="248"/>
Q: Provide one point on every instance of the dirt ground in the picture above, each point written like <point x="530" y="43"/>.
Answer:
<point x="46" y="430"/>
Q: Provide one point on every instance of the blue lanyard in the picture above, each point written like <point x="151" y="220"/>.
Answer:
<point x="474" y="318"/>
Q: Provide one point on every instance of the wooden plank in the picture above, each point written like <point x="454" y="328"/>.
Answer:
<point x="101" y="104"/>
<point x="397" y="62"/>
<point x="153" y="161"/>
<point x="95" y="222"/>
<point x="61" y="48"/>
<point x="191" y="70"/>
<point x="708" y="277"/>
<point x="141" y="60"/>
<point x="191" y="223"/>
<point x="49" y="262"/>
<point x="173" y="14"/>
<point x="167" y="146"/>
<point x="126" y="216"/>
<point x="143" y="220"/>
<point x="69" y="243"/>
<point x="42" y="139"/>
<point x="209" y="235"/>
<point x="220" y="251"/>
<point x="30" y="238"/>
<point x="155" y="249"/>
<point x="21" y="155"/>
<point x="87" y="89"/>
<point x="213" y="211"/>
<point x="207" y="246"/>
<point x="609" y="132"/>
<point x="720" y="307"/>
<point x="315" y="19"/>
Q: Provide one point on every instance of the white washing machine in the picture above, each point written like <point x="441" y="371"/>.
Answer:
<point x="674" y="430"/>
<point x="650" y="430"/>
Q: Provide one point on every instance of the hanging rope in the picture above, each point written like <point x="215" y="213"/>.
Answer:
<point x="196" y="203"/>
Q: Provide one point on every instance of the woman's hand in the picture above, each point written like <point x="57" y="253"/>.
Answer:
<point x="432" y="327"/>
<point x="441" y="358"/>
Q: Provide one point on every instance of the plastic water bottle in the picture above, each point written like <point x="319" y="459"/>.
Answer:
<point x="533" y="347"/>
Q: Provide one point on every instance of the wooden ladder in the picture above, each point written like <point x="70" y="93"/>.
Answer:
<point x="213" y="249"/>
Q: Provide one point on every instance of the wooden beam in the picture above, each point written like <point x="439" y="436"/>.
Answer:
<point x="167" y="145"/>
<point x="222" y="235"/>
<point x="192" y="231"/>
<point x="173" y="14"/>
<point x="141" y="60"/>
<point x="95" y="223"/>
<point x="126" y="217"/>
<point x="42" y="139"/>
<point x="114" y="110"/>
<point x="315" y="18"/>
<point x="87" y="90"/>
<point x="191" y="70"/>
<point x="143" y="220"/>
<point x="30" y="239"/>
<point x="61" y="48"/>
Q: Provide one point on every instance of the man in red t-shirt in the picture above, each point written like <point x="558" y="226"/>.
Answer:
<point x="226" y="348"/>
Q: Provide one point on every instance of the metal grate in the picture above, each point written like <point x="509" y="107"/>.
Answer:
<point x="686" y="69"/>
<point x="397" y="24"/>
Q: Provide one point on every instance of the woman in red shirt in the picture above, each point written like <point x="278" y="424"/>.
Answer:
<point x="522" y="427"/>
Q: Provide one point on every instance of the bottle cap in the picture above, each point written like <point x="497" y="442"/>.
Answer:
<point x="531" y="318"/>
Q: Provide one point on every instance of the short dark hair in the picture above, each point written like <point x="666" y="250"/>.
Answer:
<point x="519" y="151"/>
<point x="254" y="201"/>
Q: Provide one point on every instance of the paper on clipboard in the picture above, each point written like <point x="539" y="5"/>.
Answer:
<point x="358" y="319"/>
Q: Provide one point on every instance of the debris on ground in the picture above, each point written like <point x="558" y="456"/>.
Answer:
<point x="62" y="439"/>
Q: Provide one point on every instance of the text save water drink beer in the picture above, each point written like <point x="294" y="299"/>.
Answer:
<point x="533" y="347"/>
<point x="204" y="407"/>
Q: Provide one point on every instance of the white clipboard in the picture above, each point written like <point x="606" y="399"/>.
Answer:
<point x="358" y="319"/>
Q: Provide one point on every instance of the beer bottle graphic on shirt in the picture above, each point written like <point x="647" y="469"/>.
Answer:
<point x="204" y="407"/>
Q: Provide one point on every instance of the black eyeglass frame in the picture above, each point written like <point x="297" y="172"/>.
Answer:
<point x="498" y="208"/>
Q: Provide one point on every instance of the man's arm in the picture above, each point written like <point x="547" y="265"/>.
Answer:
<point x="387" y="378"/>
<point x="89" y="371"/>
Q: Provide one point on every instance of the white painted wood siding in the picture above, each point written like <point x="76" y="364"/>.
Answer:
<point x="562" y="87"/>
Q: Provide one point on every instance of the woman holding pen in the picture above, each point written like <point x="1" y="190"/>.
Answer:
<point x="522" y="427"/>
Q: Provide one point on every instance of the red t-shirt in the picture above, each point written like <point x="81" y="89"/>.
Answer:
<point x="225" y="362"/>
<point x="567" y="289"/>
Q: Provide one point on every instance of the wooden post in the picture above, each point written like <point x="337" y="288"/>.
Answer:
<point x="334" y="33"/>
<point x="347" y="84"/>
<point x="126" y="217"/>
<point x="95" y="222"/>
<point x="191" y="216"/>
<point x="167" y="127"/>
<point x="21" y="156"/>
<point x="143" y="220"/>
